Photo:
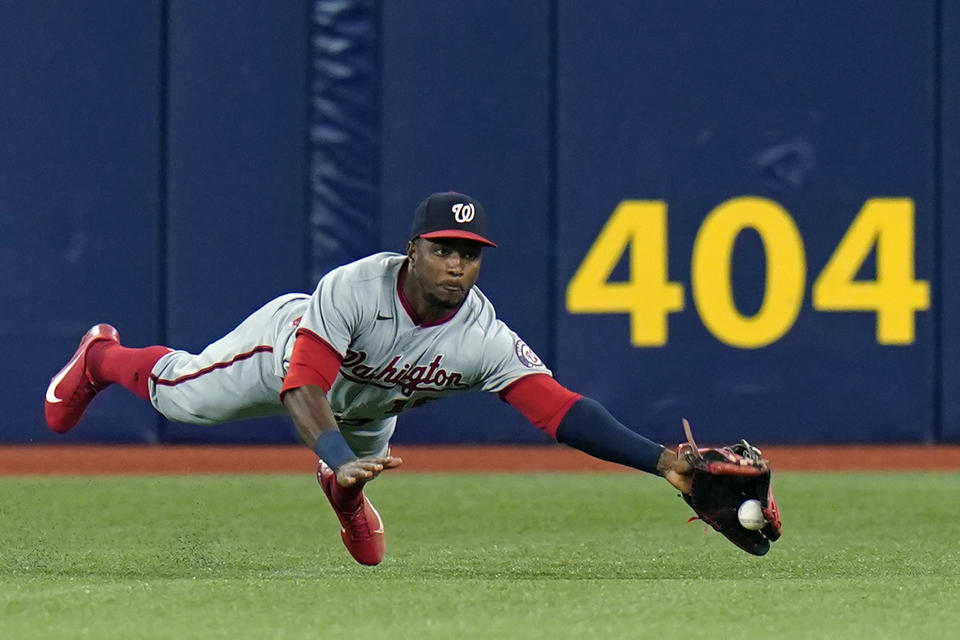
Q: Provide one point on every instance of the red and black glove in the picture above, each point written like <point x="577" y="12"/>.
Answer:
<point x="722" y="480"/>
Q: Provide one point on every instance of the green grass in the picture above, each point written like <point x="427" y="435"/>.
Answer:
<point x="473" y="556"/>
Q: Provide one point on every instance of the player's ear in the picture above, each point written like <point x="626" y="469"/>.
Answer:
<point x="411" y="248"/>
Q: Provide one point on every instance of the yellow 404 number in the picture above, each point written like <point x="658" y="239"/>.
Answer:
<point x="640" y="227"/>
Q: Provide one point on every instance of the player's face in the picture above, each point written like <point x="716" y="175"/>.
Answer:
<point x="443" y="270"/>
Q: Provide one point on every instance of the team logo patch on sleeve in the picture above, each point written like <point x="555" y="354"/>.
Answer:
<point x="526" y="356"/>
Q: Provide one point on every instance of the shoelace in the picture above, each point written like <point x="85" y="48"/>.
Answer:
<point x="357" y="522"/>
<point x="85" y="390"/>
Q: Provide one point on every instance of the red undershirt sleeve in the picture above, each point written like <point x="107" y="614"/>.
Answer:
<point x="313" y="362"/>
<point x="541" y="399"/>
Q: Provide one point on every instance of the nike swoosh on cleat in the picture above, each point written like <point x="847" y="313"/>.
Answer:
<point x="51" y="390"/>
<point x="342" y="530"/>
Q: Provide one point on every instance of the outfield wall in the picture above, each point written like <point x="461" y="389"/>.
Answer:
<point x="738" y="216"/>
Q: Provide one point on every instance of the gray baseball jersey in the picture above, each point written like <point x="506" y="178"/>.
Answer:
<point x="390" y="364"/>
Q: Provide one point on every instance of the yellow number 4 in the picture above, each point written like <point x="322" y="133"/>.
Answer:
<point x="647" y="296"/>
<point x="895" y="294"/>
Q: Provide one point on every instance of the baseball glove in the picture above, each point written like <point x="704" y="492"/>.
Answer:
<point x="722" y="480"/>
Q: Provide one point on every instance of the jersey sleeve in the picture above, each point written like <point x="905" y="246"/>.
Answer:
<point x="541" y="399"/>
<point x="334" y="312"/>
<point x="313" y="362"/>
<point x="506" y="358"/>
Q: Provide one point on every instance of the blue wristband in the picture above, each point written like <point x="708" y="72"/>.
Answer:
<point x="333" y="449"/>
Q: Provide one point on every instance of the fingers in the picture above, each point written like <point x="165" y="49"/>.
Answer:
<point x="356" y="471"/>
<point x="345" y="481"/>
<point x="383" y="462"/>
<point x="391" y="462"/>
<point x="363" y="470"/>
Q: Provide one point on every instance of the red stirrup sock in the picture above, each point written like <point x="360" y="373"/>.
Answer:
<point x="348" y="499"/>
<point x="109" y="362"/>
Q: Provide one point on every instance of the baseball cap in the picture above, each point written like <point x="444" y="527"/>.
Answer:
<point x="450" y="215"/>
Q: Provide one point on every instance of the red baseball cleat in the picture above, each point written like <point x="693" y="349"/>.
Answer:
<point x="362" y="530"/>
<point x="72" y="389"/>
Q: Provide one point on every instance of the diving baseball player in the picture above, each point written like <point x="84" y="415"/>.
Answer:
<point x="378" y="337"/>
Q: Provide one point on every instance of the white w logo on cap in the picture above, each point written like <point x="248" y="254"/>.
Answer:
<point x="463" y="212"/>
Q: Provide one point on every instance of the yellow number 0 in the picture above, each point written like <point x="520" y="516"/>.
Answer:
<point x="785" y="273"/>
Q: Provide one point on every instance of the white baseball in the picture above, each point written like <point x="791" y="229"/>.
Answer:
<point x="750" y="515"/>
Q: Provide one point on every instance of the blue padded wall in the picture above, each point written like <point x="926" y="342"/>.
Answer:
<point x="344" y="133"/>
<point x="949" y="155"/>
<point x="79" y="188"/>
<point x="465" y="107"/>
<point x="816" y="108"/>
<point x="236" y="165"/>
<point x="169" y="166"/>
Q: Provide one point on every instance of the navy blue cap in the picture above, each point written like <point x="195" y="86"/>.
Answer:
<point x="450" y="215"/>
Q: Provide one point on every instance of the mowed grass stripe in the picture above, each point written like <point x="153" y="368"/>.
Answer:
<point x="471" y="556"/>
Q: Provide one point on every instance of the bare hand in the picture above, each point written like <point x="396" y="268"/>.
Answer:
<point x="677" y="472"/>
<point x="363" y="470"/>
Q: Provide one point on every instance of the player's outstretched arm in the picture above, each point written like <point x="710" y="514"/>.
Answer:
<point x="586" y="425"/>
<point x="589" y="427"/>
<point x="314" y="420"/>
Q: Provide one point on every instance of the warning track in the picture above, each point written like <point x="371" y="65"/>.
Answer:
<point x="151" y="459"/>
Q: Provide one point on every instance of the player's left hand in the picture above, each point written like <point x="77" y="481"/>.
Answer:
<point x="363" y="470"/>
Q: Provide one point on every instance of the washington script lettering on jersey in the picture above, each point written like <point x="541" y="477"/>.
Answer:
<point x="394" y="374"/>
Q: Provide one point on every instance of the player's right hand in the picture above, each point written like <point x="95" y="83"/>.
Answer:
<point x="363" y="470"/>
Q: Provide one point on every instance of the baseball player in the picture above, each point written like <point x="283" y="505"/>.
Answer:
<point x="378" y="337"/>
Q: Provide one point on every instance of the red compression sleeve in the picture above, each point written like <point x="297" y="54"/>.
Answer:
<point x="541" y="399"/>
<point x="313" y="362"/>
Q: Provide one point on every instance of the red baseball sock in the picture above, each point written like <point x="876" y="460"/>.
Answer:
<point x="348" y="499"/>
<point x="110" y="362"/>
